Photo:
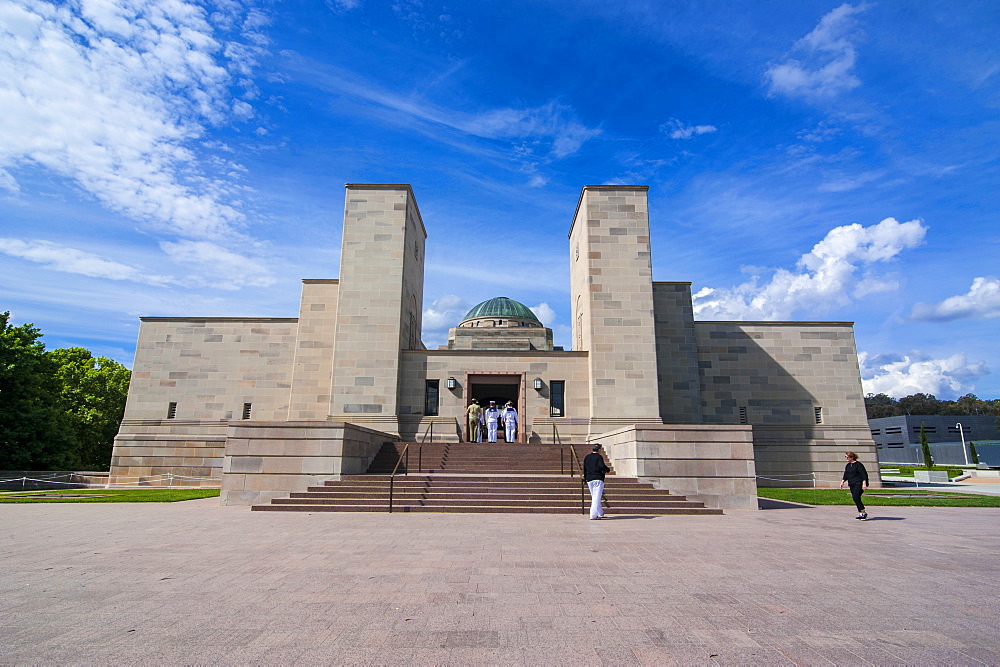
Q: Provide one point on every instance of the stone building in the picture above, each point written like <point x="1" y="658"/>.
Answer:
<point x="273" y="405"/>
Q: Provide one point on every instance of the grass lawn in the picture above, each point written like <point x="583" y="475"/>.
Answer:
<point x="107" y="495"/>
<point x="876" y="497"/>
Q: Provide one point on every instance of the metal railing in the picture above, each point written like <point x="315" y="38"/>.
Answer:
<point x="405" y="454"/>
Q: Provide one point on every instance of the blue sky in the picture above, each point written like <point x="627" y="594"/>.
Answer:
<point x="806" y="160"/>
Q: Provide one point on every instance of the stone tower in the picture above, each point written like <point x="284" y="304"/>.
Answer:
<point x="612" y="291"/>
<point x="379" y="303"/>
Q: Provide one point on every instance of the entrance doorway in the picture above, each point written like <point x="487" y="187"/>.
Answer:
<point x="498" y="388"/>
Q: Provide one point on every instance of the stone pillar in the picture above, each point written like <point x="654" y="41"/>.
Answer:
<point x="612" y="292"/>
<point x="379" y="303"/>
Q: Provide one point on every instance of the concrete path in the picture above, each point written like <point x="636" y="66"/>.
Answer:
<point x="196" y="582"/>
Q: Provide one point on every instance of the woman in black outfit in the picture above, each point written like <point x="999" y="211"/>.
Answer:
<point x="857" y="479"/>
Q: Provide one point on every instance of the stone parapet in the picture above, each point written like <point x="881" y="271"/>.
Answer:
<point x="265" y="460"/>
<point x="711" y="464"/>
<point x="168" y="452"/>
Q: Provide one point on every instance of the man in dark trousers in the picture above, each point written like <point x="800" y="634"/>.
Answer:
<point x="857" y="479"/>
<point x="593" y="472"/>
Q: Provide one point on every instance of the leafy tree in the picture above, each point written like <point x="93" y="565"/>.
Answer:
<point x="973" y="453"/>
<point x="881" y="405"/>
<point x="925" y="448"/>
<point x="92" y="396"/>
<point x="33" y="430"/>
<point x="920" y="404"/>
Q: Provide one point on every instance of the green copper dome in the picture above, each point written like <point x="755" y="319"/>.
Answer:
<point x="501" y="306"/>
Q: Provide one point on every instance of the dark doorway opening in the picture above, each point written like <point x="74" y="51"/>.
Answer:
<point x="498" y="388"/>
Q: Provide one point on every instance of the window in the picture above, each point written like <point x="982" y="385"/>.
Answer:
<point x="246" y="410"/>
<point x="893" y="430"/>
<point x="431" y="393"/>
<point x="171" y="410"/>
<point x="927" y="429"/>
<point x="818" y="414"/>
<point x="557" y="398"/>
<point x="876" y="431"/>
<point x="743" y="415"/>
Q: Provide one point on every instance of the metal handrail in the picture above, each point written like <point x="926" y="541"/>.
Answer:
<point x="428" y="432"/>
<point x="406" y="470"/>
<point x="583" y="482"/>
<point x="556" y="438"/>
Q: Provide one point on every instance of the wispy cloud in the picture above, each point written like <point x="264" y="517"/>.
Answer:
<point x="903" y="375"/>
<point x="675" y="129"/>
<point x="70" y="260"/>
<point x="981" y="301"/>
<point x="821" y="64"/>
<point x="547" y="132"/>
<point x="217" y="266"/>
<point x="827" y="275"/>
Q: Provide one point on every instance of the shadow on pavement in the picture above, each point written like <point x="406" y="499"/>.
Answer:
<point x="771" y="504"/>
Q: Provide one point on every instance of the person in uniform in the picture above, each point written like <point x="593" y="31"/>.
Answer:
<point x="492" y="417"/>
<point x="509" y="416"/>
<point x="475" y="421"/>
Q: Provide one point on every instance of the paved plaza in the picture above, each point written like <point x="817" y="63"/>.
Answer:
<point x="196" y="582"/>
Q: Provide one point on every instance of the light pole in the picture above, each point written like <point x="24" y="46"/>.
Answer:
<point x="962" y="433"/>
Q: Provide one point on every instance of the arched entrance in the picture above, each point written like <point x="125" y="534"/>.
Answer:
<point x="500" y="388"/>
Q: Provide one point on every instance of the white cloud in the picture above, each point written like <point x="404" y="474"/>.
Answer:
<point x="821" y="64"/>
<point x="114" y="95"/>
<point x="70" y="260"/>
<point x="218" y="266"/>
<point x="903" y="375"/>
<point x="545" y="314"/>
<point x="828" y="275"/>
<point x="982" y="300"/>
<point x="444" y="313"/>
<point x="675" y="129"/>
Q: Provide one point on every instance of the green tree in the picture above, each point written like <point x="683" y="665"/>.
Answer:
<point x="881" y="405"/>
<point x="973" y="453"/>
<point x="33" y="430"/>
<point x="92" y="397"/>
<point x="920" y="404"/>
<point x="925" y="448"/>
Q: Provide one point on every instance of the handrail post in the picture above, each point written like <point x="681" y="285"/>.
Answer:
<point x="392" y="476"/>
<point x="420" y="458"/>
<point x="583" y="500"/>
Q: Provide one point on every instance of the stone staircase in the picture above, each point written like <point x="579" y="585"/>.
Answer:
<point x="475" y="477"/>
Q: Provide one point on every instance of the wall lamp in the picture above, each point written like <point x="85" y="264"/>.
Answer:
<point x="452" y="383"/>
<point x="538" y="384"/>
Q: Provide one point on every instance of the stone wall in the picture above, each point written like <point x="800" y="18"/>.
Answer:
<point x="676" y="354"/>
<point x="711" y="464"/>
<point x="265" y="460"/>
<point x="211" y="367"/>
<point x="312" y="375"/>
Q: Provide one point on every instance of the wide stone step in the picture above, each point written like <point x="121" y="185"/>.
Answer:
<point x="478" y="508"/>
<point x="495" y="478"/>
<point x="480" y="493"/>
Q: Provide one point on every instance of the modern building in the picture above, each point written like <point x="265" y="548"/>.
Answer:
<point x="897" y="439"/>
<point x="272" y="405"/>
